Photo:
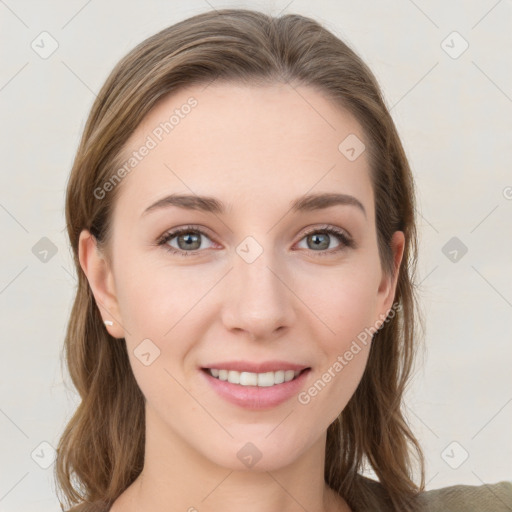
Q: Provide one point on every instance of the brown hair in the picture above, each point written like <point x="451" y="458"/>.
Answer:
<point x="102" y="446"/>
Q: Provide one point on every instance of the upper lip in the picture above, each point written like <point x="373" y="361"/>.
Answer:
<point x="264" y="366"/>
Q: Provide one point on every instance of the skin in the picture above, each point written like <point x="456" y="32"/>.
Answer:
<point x="256" y="148"/>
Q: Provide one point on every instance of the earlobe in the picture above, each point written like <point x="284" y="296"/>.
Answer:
<point x="100" y="278"/>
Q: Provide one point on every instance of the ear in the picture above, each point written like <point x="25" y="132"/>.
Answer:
<point x="387" y="286"/>
<point x="101" y="280"/>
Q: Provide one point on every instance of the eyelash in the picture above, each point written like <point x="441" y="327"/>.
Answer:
<point x="343" y="238"/>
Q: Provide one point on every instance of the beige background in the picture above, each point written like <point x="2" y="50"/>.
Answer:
<point x="453" y="113"/>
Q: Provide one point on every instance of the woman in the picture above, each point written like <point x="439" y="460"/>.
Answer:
<point x="241" y="213"/>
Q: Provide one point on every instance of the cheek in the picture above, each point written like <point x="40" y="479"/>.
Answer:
<point x="163" y="310"/>
<point x="345" y="358"/>
<point x="345" y="301"/>
<point x="154" y="295"/>
<point x="347" y="306"/>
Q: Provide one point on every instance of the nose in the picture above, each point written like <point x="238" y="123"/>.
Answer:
<point x="258" y="300"/>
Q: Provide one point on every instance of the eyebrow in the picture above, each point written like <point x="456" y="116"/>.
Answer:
<point x="211" y="205"/>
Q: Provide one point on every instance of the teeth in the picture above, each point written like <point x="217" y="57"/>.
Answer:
<point x="266" y="379"/>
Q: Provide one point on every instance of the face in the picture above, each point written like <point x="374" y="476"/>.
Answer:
<point x="260" y="279"/>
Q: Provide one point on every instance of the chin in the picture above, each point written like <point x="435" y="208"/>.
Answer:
<point x="259" y="453"/>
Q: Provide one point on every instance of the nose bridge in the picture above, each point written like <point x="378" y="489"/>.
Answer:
<point x="259" y="300"/>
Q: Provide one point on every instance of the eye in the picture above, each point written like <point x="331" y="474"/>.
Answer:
<point x="188" y="240"/>
<point x="318" y="239"/>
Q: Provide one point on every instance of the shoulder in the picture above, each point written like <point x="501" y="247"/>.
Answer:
<point x="493" y="497"/>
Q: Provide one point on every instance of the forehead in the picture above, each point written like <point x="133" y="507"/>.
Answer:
<point x="244" y="142"/>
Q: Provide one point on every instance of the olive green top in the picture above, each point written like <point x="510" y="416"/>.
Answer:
<point x="495" y="497"/>
<point x="490" y="497"/>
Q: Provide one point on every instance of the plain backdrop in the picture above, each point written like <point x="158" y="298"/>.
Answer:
<point x="446" y="74"/>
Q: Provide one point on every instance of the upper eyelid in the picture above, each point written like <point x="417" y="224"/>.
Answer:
<point x="322" y="227"/>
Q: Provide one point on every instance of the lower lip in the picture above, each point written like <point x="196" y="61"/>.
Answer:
<point x="256" y="397"/>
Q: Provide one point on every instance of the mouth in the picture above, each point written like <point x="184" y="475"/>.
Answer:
<point x="252" y="379"/>
<point x="256" y="391"/>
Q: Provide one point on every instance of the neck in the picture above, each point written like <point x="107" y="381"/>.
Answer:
<point x="177" y="478"/>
